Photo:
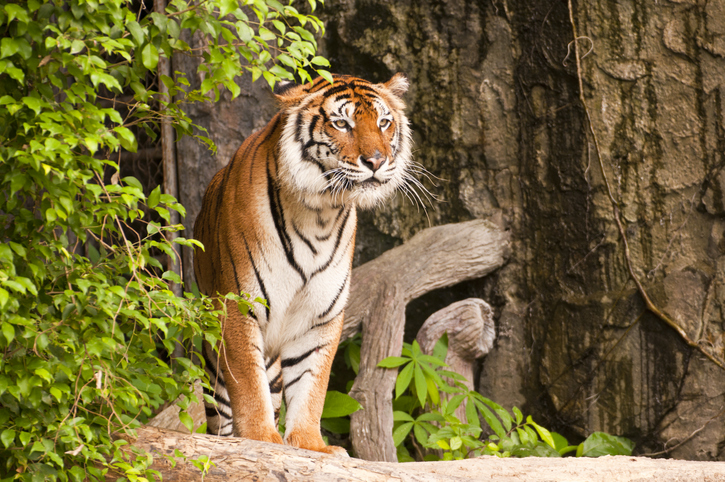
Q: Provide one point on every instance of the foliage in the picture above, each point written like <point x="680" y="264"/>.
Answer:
<point x="425" y="420"/>
<point x="87" y="318"/>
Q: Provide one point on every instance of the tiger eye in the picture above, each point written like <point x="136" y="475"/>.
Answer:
<point x="340" y="124"/>
<point x="384" y="123"/>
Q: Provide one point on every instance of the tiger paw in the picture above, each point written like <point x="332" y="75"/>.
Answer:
<point x="315" y="443"/>
<point x="335" y="450"/>
<point x="264" y="436"/>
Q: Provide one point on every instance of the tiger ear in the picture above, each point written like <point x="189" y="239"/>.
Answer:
<point x="288" y="93"/>
<point x="398" y="85"/>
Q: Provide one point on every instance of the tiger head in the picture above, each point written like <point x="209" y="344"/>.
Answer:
<point x="346" y="142"/>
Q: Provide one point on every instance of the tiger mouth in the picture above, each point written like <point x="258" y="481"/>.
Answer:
<point x="370" y="182"/>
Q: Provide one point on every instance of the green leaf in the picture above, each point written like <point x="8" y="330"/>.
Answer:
<point x="421" y="387"/>
<point x="440" y="350"/>
<point x="393" y="361"/>
<point x="519" y="416"/>
<point x="188" y="422"/>
<point x="7" y="437"/>
<point x="404" y="378"/>
<point x="600" y="443"/>
<point x="8" y="47"/>
<point x="137" y="32"/>
<point x="339" y="404"/>
<point x="490" y="419"/>
<point x="8" y="332"/>
<point x="336" y="425"/>
<point x="153" y="199"/>
<point x="543" y="433"/>
<point x="4" y="296"/>
<point x="401" y="432"/>
<point x="128" y="140"/>
<point x="399" y="416"/>
<point x="15" y="11"/>
<point x="326" y="75"/>
<point x="150" y="56"/>
<point x="227" y="6"/>
<point x="320" y="61"/>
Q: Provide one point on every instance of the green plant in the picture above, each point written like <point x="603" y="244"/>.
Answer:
<point x="87" y="319"/>
<point x="425" y="421"/>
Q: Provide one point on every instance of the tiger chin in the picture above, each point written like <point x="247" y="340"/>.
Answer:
<point x="278" y="222"/>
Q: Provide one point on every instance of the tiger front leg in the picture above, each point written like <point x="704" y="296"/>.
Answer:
<point x="245" y="377"/>
<point x="306" y="364"/>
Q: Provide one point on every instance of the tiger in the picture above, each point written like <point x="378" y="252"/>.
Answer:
<point x="278" y="223"/>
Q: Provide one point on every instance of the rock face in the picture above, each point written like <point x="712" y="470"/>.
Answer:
<point x="496" y="115"/>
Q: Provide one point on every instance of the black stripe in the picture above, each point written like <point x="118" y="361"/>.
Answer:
<point x="212" y="412"/>
<point x="275" y="379"/>
<point x="306" y="241"/>
<point x="271" y="362"/>
<point x="275" y="386"/>
<point x="337" y="296"/>
<point x="260" y="142"/>
<point x="259" y="279"/>
<point x="278" y="218"/>
<point x="356" y="86"/>
<point x="339" y="109"/>
<point x="286" y="387"/>
<point x="343" y="225"/>
<point x="236" y="275"/>
<point x="311" y="128"/>
<point x="328" y="321"/>
<point x="319" y="85"/>
<point x="289" y="362"/>
<point x="307" y="157"/>
<point x="327" y="236"/>
<point x="222" y="401"/>
<point x="336" y="89"/>
<point x="323" y="114"/>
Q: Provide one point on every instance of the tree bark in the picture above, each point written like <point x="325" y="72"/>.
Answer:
<point x="236" y="459"/>
<point x="434" y="258"/>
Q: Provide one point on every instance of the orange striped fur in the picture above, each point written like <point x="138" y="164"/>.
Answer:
<point x="279" y="222"/>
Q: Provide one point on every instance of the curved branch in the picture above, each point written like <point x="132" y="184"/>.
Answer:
<point x="434" y="258"/>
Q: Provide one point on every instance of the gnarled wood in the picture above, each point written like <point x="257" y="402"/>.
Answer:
<point x="471" y="331"/>
<point x="434" y="258"/>
<point x="236" y="459"/>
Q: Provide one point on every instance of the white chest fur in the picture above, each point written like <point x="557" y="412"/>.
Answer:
<point x="306" y="268"/>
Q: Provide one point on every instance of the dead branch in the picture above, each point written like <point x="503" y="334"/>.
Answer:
<point x="434" y="258"/>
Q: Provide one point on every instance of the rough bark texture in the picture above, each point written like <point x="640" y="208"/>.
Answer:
<point x="495" y="112"/>
<point x="240" y="459"/>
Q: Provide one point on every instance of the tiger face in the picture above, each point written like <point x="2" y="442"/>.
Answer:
<point x="347" y="142"/>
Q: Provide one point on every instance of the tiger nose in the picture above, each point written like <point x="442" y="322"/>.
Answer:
<point x="373" y="162"/>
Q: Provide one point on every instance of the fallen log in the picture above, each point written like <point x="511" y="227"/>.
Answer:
<point x="236" y="459"/>
<point x="434" y="258"/>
